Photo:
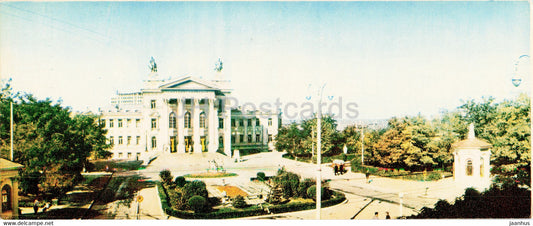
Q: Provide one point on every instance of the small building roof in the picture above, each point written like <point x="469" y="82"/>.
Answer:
<point x="6" y="165"/>
<point x="472" y="143"/>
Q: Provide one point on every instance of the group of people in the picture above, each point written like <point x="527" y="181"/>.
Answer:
<point x="36" y="205"/>
<point x="338" y="169"/>
<point x="376" y="216"/>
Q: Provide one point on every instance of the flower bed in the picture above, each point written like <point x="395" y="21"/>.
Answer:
<point x="226" y="213"/>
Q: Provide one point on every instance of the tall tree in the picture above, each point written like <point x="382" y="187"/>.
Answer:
<point x="52" y="144"/>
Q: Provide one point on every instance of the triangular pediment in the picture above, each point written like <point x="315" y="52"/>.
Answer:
<point x="188" y="83"/>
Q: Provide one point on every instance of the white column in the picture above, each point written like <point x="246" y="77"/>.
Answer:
<point x="212" y="127"/>
<point x="180" y="125"/>
<point x="227" y="128"/>
<point x="197" y="147"/>
<point x="164" y="128"/>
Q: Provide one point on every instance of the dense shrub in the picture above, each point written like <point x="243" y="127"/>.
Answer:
<point x="166" y="176"/>
<point x="197" y="204"/>
<point x="288" y="182"/>
<point x="238" y="202"/>
<point x="196" y="187"/>
<point x="325" y="193"/>
<point x="303" y="186"/>
<point x="226" y="213"/>
<point x="180" y="181"/>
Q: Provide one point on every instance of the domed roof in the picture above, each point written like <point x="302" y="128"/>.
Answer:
<point x="472" y="143"/>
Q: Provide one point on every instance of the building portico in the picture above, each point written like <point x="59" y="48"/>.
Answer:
<point x="183" y="115"/>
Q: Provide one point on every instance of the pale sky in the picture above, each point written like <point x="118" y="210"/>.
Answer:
<point x="390" y="58"/>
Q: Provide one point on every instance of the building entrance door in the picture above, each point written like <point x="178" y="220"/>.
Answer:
<point x="188" y="144"/>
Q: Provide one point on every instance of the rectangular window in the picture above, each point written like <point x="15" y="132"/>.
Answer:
<point x="111" y="140"/>
<point x="120" y="154"/>
<point x="119" y="140"/>
<point x="241" y="122"/>
<point x="221" y="123"/>
<point x="269" y="137"/>
<point x="152" y="104"/>
<point x="258" y="138"/>
<point x="250" y="138"/>
<point x="269" y="121"/>
<point x="249" y="122"/>
<point x="241" y="138"/>
<point x="233" y="138"/>
<point x="119" y="123"/>
<point x="138" y="155"/>
<point x="111" y="123"/>
<point x="128" y="140"/>
<point x="137" y="140"/>
<point x="256" y="122"/>
<point x="154" y="123"/>
<point x="137" y="123"/>
<point x="102" y="122"/>
<point x="129" y="155"/>
<point x="128" y="123"/>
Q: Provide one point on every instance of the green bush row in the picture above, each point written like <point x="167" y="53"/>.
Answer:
<point x="238" y="213"/>
<point x="401" y="174"/>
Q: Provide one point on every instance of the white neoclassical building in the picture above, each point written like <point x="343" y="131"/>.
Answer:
<point x="184" y="115"/>
<point x="472" y="162"/>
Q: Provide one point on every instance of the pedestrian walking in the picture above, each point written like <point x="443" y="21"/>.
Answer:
<point x="336" y="170"/>
<point x="36" y="205"/>
<point x="388" y="215"/>
<point x="46" y="207"/>
<point x="376" y="217"/>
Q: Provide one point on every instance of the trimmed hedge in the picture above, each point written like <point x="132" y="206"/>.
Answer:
<point x="226" y="213"/>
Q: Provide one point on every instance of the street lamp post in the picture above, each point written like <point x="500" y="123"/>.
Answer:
<point x="319" y="151"/>
<point x="11" y="131"/>
<point x="517" y="79"/>
<point x="362" y="146"/>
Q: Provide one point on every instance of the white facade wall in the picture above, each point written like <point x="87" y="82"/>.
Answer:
<point x="178" y="96"/>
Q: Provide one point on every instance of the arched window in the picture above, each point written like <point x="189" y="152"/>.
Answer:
<point x="172" y="120"/>
<point x="469" y="168"/>
<point x="481" y="167"/>
<point x="202" y="120"/>
<point x="154" y="142"/>
<point x="187" y="120"/>
<point x="6" y="198"/>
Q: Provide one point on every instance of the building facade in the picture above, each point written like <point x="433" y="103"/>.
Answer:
<point x="472" y="162"/>
<point x="184" y="115"/>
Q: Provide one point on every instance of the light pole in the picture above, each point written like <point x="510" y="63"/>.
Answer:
<point x="11" y="131"/>
<point x="319" y="150"/>
<point x="362" y="146"/>
<point x="517" y="79"/>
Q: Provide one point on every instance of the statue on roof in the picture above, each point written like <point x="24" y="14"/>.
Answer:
<point x="153" y="65"/>
<point x="218" y="65"/>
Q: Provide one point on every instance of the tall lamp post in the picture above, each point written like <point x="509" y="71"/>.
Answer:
<point x="319" y="150"/>
<point x="517" y="79"/>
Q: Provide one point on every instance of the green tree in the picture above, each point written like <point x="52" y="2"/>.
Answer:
<point x="50" y="141"/>
<point x="238" y="202"/>
<point x="507" y="126"/>
<point x="166" y="176"/>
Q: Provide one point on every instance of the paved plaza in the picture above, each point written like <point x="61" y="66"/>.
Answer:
<point x="363" y="199"/>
